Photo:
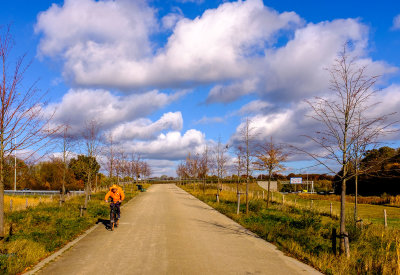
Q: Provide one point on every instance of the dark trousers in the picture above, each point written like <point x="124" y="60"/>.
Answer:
<point x="117" y="205"/>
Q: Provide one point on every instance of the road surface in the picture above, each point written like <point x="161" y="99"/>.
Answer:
<point x="168" y="231"/>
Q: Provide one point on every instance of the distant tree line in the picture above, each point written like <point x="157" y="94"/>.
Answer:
<point x="382" y="174"/>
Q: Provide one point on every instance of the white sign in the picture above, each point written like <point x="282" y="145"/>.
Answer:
<point x="296" y="180"/>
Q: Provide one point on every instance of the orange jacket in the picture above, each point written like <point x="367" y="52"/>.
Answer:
<point x="117" y="196"/>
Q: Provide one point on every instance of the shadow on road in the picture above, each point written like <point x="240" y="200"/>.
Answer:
<point x="237" y="230"/>
<point x="106" y="223"/>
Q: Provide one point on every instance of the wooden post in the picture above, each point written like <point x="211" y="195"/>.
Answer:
<point x="311" y="204"/>
<point x="334" y="241"/>
<point x="238" y="203"/>
<point x="331" y="210"/>
<point x="26" y="203"/>
<point x="283" y="199"/>
<point x="81" y="211"/>
<point x="385" y="217"/>
<point x="217" y="197"/>
<point x="11" y="203"/>
<point x="263" y="195"/>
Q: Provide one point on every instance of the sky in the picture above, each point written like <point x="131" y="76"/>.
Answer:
<point x="168" y="77"/>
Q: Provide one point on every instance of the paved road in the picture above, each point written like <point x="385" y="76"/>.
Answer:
<point x="168" y="231"/>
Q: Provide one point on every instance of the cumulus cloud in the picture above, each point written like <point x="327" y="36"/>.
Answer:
<point x="79" y="106"/>
<point x="169" y="21"/>
<point x="146" y="129"/>
<point x="170" y="146"/>
<point x="255" y="107"/>
<point x="220" y="44"/>
<point x="289" y="125"/>
<point x="297" y="70"/>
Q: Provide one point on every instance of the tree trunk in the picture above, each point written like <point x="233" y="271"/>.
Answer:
<point x="344" y="239"/>
<point x="355" y="196"/>
<point x="269" y="188"/>
<point x="1" y="190"/>
<point x="247" y="195"/>
<point x="218" y="190"/>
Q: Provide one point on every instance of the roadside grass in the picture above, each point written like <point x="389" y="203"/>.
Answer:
<point x="19" y="202"/>
<point x="305" y="233"/>
<point x="40" y="230"/>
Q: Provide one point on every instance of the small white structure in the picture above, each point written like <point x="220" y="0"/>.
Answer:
<point x="264" y="184"/>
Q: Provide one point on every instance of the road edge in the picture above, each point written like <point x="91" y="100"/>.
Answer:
<point x="287" y="258"/>
<point x="69" y="245"/>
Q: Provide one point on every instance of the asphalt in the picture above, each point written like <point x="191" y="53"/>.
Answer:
<point x="168" y="231"/>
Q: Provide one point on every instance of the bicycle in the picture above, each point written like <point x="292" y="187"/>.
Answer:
<point x="113" y="216"/>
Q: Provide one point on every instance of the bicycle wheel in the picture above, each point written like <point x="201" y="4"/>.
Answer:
<point x="112" y="220"/>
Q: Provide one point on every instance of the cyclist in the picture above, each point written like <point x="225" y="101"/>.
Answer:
<point x="117" y="196"/>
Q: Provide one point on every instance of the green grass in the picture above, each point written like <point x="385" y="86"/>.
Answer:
<point x="39" y="231"/>
<point x="305" y="233"/>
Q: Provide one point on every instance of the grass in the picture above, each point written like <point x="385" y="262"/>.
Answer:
<point x="44" y="228"/>
<point x="20" y="202"/>
<point x="305" y="233"/>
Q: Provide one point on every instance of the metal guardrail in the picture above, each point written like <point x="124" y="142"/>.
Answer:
<point x="38" y="192"/>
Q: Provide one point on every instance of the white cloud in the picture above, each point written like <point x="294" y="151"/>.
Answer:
<point x="95" y="27"/>
<point x="208" y="120"/>
<point x="255" y="107"/>
<point x="169" y="21"/>
<point x="396" y="22"/>
<point x="79" y="106"/>
<point x="170" y="146"/>
<point x="229" y="93"/>
<point x="146" y="129"/>
<point x="297" y="70"/>
<point x="221" y="44"/>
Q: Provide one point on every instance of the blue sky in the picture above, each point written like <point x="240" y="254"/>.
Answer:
<point x="168" y="77"/>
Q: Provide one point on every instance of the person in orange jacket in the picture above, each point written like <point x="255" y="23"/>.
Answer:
<point x="117" y="196"/>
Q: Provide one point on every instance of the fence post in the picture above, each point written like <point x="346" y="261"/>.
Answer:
<point x="11" y="203"/>
<point x="283" y="199"/>
<point x="26" y="203"/>
<point x="334" y="241"/>
<point x="311" y="204"/>
<point x="385" y="217"/>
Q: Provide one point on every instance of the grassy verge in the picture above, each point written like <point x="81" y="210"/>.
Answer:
<point x="40" y="230"/>
<point x="306" y="234"/>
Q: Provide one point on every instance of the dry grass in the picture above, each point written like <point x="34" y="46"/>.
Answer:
<point x="305" y="233"/>
<point x="21" y="202"/>
<point x="44" y="227"/>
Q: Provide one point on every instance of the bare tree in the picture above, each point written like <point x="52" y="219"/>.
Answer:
<point x="239" y="164"/>
<point x="92" y="142"/>
<point x="220" y="163"/>
<point x="110" y="154"/>
<point x="204" y="166"/>
<point x="146" y="170"/>
<point x="247" y="136"/>
<point x="269" y="158"/>
<point x="181" y="171"/>
<point x="347" y="125"/>
<point x="22" y="117"/>
<point x="67" y="145"/>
